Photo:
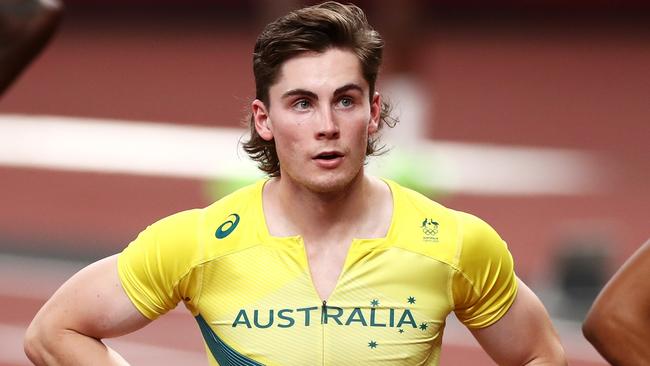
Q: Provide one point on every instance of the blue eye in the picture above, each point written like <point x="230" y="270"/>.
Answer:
<point x="346" y="102"/>
<point x="302" y="104"/>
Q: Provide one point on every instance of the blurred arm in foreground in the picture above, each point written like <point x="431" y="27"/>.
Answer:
<point x="618" y="324"/>
<point x="25" y="28"/>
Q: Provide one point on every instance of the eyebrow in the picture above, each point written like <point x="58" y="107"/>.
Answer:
<point x="312" y="95"/>
<point x="301" y="92"/>
<point x="348" y="87"/>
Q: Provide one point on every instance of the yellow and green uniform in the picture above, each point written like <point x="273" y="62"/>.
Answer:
<point x="253" y="298"/>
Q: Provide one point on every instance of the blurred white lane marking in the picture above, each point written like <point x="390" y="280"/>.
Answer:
<point x="160" y="149"/>
<point x="85" y="144"/>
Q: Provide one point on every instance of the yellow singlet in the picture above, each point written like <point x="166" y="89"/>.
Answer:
<point x="255" y="303"/>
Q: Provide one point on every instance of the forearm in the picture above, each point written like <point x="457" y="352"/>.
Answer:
<point x="66" y="347"/>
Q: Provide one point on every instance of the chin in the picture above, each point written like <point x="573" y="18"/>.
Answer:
<point x="330" y="182"/>
<point x="330" y="186"/>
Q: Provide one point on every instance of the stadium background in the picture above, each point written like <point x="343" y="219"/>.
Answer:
<point x="551" y="75"/>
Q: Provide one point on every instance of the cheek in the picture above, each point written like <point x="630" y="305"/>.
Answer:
<point x="361" y="138"/>
<point x="287" y="143"/>
<point x="364" y="128"/>
<point x="303" y="119"/>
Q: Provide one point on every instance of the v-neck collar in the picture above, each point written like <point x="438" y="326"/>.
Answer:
<point x="265" y="234"/>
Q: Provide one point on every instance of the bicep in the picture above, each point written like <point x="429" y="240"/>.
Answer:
<point x="524" y="335"/>
<point x="92" y="303"/>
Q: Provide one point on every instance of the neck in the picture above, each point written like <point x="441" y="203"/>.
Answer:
<point x="296" y="210"/>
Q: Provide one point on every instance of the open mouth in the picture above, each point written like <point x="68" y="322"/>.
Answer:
<point x="328" y="155"/>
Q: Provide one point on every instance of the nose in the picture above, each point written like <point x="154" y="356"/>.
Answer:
<point x="328" y="127"/>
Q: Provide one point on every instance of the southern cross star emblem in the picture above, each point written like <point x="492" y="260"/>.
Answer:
<point x="411" y="300"/>
<point x="372" y="344"/>
<point x="424" y="326"/>
<point x="374" y="303"/>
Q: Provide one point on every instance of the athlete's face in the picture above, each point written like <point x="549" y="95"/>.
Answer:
<point x="320" y="116"/>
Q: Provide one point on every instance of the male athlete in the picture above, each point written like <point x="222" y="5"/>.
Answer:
<point x="320" y="264"/>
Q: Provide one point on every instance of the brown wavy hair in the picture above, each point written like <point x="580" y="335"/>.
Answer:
<point x="313" y="29"/>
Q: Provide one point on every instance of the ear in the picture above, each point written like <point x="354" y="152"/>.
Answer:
<point x="262" y="120"/>
<point x="375" y="114"/>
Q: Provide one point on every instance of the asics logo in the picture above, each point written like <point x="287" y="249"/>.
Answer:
<point x="227" y="227"/>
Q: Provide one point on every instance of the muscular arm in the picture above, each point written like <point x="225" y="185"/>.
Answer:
<point x="25" y="28"/>
<point x="90" y="306"/>
<point x="524" y="335"/>
<point x="618" y="324"/>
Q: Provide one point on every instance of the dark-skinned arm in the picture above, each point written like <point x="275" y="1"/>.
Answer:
<point x="618" y="324"/>
<point x="25" y="28"/>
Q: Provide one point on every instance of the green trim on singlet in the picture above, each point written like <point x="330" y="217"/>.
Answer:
<point x="223" y="353"/>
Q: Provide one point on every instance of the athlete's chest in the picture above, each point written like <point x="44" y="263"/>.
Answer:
<point x="326" y="260"/>
<point x="386" y="304"/>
